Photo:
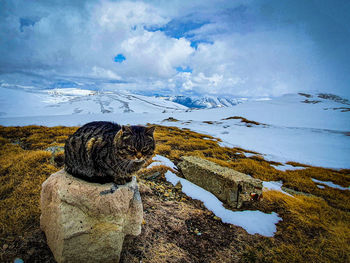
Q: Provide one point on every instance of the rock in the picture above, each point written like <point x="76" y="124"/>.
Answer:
<point x="54" y="149"/>
<point x="232" y="187"/>
<point x="87" y="222"/>
<point x="57" y="154"/>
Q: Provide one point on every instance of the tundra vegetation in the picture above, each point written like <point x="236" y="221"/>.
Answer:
<point x="315" y="227"/>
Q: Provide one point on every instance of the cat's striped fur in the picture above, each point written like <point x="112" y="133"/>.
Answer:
<point x="107" y="152"/>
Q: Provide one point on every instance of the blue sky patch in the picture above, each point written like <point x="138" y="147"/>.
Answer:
<point x="119" y="58"/>
<point x="194" y="43"/>
<point x="27" y="21"/>
<point x="178" y="28"/>
<point x="186" y="69"/>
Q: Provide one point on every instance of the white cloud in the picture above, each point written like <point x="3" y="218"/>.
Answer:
<point x="112" y="15"/>
<point x="104" y="73"/>
<point x="75" y="44"/>
<point x="247" y="65"/>
<point x="154" y="54"/>
<point x="244" y="48"/>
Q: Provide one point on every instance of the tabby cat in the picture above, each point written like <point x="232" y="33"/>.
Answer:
<point x="105" y="152"/>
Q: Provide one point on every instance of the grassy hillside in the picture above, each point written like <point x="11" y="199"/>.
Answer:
<point x="315" y="227"/>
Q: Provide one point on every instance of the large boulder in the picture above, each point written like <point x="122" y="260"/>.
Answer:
<point x="87" y="222"/>
<point x="231" y="187"/>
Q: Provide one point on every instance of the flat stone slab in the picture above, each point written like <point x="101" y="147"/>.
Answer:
<point x="87" y="222"/>
<point x="232" y="187"/>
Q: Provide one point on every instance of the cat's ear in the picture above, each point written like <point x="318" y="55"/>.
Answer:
<point x="150" y="130"/>
<point x="126" y="130"/>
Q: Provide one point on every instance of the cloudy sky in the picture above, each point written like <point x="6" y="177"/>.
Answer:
<point x="235" y="47"/>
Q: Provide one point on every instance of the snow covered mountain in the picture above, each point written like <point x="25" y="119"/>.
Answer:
<point x="54" y="95"/>
<point x="205" y="102"/>
<point x="22" y="101"/>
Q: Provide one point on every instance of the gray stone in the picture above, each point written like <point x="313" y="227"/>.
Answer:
<point x="54" y="149"/>
<point x="231" y="187"/>
<point x="87" y="222"/>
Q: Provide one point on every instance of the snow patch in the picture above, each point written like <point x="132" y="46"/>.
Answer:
<point x="330" y="184"/>
<point x="249" y="154"/>
<point x="254" y="222"/>
<point x="286" y="167"/>
<point x="274" y="185"/>
<point x="161" y="160"/>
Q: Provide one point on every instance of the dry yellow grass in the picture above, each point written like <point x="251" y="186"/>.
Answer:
<point x="37" y="137"/>
<point x="20" y="192"/>
<point x="311" y="231"/>
<point x="314" y="229"/>
<point x="24" y="166"/>
<point x="248" y="122"/>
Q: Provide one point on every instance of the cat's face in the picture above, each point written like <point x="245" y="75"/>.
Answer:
<point x="135" y="143"/>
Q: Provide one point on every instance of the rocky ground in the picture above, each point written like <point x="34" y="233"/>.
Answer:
<point x="177" y="228"/>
